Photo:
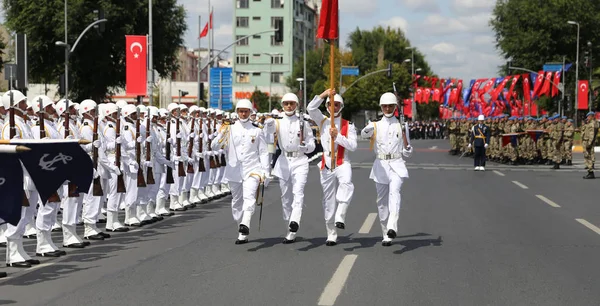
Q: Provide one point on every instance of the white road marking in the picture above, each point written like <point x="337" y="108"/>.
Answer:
<point x="366" y="227"/>
<point x="548" y="201"/>
<point x="498" y="172"/>
<point x="338" y="280"/>
<point x="589" y="225"/>
<point x="520" y="185"/>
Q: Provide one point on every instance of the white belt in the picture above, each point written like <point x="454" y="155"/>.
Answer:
<point x="388" y="156"/>
<point x="292" y="154"/>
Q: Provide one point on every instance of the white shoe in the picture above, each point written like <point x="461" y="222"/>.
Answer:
<point x="481" y="168"/>
<point x="477" y="168"/>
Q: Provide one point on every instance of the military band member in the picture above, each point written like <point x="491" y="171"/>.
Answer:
<point x="336" y="179"/>
<point x="480" y="135"/>
<point x="389" y="169"/>
<point x="247" y="165"/>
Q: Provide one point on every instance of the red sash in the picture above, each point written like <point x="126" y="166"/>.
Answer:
<point x="341" y="150"/>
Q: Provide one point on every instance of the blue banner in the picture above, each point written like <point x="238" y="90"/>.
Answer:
<point x="350" y="71"/>
<point x="556" y="67"/>
<point x="11" y="188"/>
<point x="221" y="88"/>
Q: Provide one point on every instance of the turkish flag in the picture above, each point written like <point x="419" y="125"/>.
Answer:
<point x="418" y="95"/>
<point x="207" y="26"/>
<point x="328" y="23"/>
<point x="407" y="108"/>
<point x="135" y="64"/>
<point x="582" y="95"/>
<point x="556" y="81"/>
<point x="546" y="87"/>
<point x="533" y="109"/>
<point x="539" y="80"/>
<point x="526" y="87"/>
<point x="425" y="95"/>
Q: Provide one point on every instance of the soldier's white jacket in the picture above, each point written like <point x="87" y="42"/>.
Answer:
<point x="184" y="134"/>
<point x="128" y="141"/>
<point x="23" y="131"/>
<point x="87" y="132"/>
<point x="157" y="147"/>
<point x="246" y="150"/>
<point x="386" y="134"/>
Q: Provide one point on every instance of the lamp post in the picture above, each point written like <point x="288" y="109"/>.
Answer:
<point x="412" y="64"/>
<point x="576" y="66"/>
<point x="271" y="76"/>
<point x="304" y="57"/>
<point x="589" y="44"/>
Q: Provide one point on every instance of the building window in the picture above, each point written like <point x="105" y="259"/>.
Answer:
<point x="276" y="3"/>
<point x="256" y="17"/>
<point x="241" y="59"/>
<point x="243" y="42"/>
<point x="255" y="73"/>
<point x="275" y="43"/>
<point x="241" y="22"/>
<point x="242" y="77"/>
<point x="276" y="77"/>
<point x="274" y="21"/>
<point x="242" y="4"/>
<point x="256" y="36"/>
<point x="256" y="54"/>
<point x="277" y="59"/>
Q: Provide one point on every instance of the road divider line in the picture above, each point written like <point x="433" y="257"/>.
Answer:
<point x="498" y="172"/>
<point x="589" y="225"/>
<point x="368" y="224"/>
<point x="546" y="200"/>
<point x="337" y="282"/>
<point x="520" y="185"/>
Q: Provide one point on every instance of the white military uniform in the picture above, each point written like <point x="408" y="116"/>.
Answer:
<point x="114" y="198"/>
<point x="177" y="187"/>
<point x="160" y="171"/>
<point x="337" y="183"/>
<point x="247" y="164"/>
<point x="130" y="168"/>
<point x="389" y="171"/>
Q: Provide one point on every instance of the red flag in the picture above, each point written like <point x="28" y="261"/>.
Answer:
<point x="436" y="95"/>
<point x="425" y="95"/>
<point x="418" y="95"/>
<point x="135" y="65"/>
<point x="526" y="88"/>
<point x="496" y="92"/>
<point x="407" y="108"/>
<point x="515" y="78"/>
<point x="556" y="81"/>
<point x="328" y="24"/>
<point x="538" y="83"/>
<point x="546" y="87"/>
<point x="533" y="109"/>
<point x="582" y="95"/>
<point x="207" y="26"/>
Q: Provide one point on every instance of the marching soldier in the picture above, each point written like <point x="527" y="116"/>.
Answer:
<point x="389" y="169"/>
<point x="569" y="132"/>
<point x="556" y="135"/>
<point x="176" y="189"/>
<point x="291" y="166"/>
<point x="452" y="131"/>
<point x="335" y="200"/>
<point x="162" y="139"/>
<point x="588" y="140"/>
<point x="247" y="165"/>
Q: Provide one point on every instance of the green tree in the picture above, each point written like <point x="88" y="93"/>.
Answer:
<point x="97" y="66"/>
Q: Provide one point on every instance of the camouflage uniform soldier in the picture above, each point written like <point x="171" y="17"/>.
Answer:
<point x="452" y="132"/>
<point x="588" y="135"/>
<point x="512" y="150"/>
<point x="493" y="139"/>
<point x="569" y="132"/>
<point x="541" y="143"/>
<point x="523" y="152"/>
<point x="556" y="144"/>
<point x="463" y="134"/>
<point x="500" y="149"/>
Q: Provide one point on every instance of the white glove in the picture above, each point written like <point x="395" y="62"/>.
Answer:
<point x="147" y="164"/>
<point x="171" y="164"/>
<point x="176" y="158"/>
<point x="211" y="136"/>
<point x="96" y="174"/>
<point x="149" y="139"/>
<point x="118" y="140"/>
<point x="303" y="148"/>
<point x="115" y="170"/>
<point x="368" y="129"/>
<point x="96" y="143"/>
<point x="485" y="145"/>
<point x="131" y="144"/>
<point x="407" y="152"/>
<point x="266" y="179"/>
<point x="70" y="137"/>
<point x="178" y="135"/>
<point x="139" y="139"/>
<point x="198" y="155"/>
<point x="192" y="136"/>
<point x="221" y="151"/>
<point x="469" y="146"/>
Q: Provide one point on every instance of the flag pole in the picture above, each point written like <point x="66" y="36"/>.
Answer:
<point x="331" y="96"/>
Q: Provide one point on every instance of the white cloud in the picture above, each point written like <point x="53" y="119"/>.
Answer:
<point x="421" y="5"/>
<point x="358" y="8"/>
<point x="471" y="6"/>
<point x="445" y="48"/>
<point x="396" y="22"/>
<point x="437" y="24"/>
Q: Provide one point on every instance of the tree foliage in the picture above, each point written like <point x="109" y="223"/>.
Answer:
<point x="97" y="65"/>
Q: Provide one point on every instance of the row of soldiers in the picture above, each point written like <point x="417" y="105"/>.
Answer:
<point x="135" y="149"/>
<point x="427" y="130"/>
<point x="519" y="140"/>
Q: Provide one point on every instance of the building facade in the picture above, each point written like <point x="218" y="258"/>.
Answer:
<point x="261" y="62"/>
<point x="188" y="66"/>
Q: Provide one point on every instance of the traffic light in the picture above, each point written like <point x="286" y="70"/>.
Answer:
<point x="99" y="15"/>
<point x="389" y="71"/>
<point x="183" y="93"/>
<point x="279" y="31"/>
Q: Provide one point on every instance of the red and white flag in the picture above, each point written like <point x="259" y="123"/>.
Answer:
<point x="328" y="22"/>
<point x="209" y="25"/>
<point x="135" y="65"/>
<point x="582" y="95"/>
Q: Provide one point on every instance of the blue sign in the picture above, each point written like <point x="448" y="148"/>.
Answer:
<point x="221" y="88"/>
<point x="350" y="71"/>
<point x="556" y="67"/>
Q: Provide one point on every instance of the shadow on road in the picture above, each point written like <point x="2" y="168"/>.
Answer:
<point x="368" y="242"/>
<point x="413" y="244"/>
<point x="6" y="302"/>
<point x="45" y="274"/>
<point x="266" y="243"/>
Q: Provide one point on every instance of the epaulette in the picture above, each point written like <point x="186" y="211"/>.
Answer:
<point x="126" y="127"/>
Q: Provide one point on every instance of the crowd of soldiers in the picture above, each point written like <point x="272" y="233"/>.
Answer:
<point x="519" y="140"/>
<point x="427" y="130"/>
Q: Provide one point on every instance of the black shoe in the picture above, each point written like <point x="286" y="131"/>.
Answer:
<point x="118" y="230"/>
<point x="287" y="241"/>
<point x="340" y="225"/>
<point x="192" y="205"/>
<point x="386" y="243"/>
<point x="86" y="243"/>
<point x="3" y="274"/>
<point x="294" y="226"/>
<point x="48" y="254"/>
<point x="556" y="166"/>
<point x="57" y="229"/>
<point x="569" y="163"/>
<point x="33" y="261"/>
<point x="94" y="237"/>
<point x="101" y="221"/>
<point x="238" y="241"/>
<point x="75" y="245"/>
<point x="146" y="222"/>
<point x="79" y="224"/>
<point x="391" y="233"/>
<point x="34" y="236"/>
<point x="590" y="176"/>
<point x="167" y="214"/>
<point x="21" y="264"/>
<point x="133" y="224"/>
<point x="61" y="252"/>
<point x="157" y="218"/>
<point x="330" y="243"/>
<point x="104" y="235"/>
<point x="244" y="230"/>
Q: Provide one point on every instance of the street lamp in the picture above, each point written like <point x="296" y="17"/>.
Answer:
<point x="304" y="57"/>
<point x="576" y="66"/>
<point x="412" y="64"/>
<point x="271" y="76"/>
<point x="589" y="44"/>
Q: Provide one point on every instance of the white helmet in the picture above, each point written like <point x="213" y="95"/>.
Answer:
<point x="219" y="112"/>
<point x="121" y="103"/>
<point x="128" y="110"/>
<point x="388" y="98"/>
<point x="275" y="112"/>
<point x="45" y="102"/>
<point x="183" y="106"/>
<point x="243" y="103"/>
<point x="101" y="110"/>
<point x="110" y="109"/>
<point x="87" y="105"/>
<point x="153" y="111"/>
<point x="29" y="105"/>
<point x="163" y="112"/>
<point x="143" y="108"/>
<point x="337" y="98"/>
<point x="194" y="108"/>
<point x="289" y="97"/>
<point x="61" y="106"/>
<point x="480" y="118"/>
<point x="172" y="106"/>
<point x="17" y="97"/>
<point x="202" y="110"/>
<point x="76" y="106"/>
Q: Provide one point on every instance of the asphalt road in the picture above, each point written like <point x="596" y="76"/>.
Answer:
<point x="508" y="236"/>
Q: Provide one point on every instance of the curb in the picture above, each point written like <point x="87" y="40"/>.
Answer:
<point x="579" y="149"/>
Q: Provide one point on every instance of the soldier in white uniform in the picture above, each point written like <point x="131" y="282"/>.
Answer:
<point x="176" y="188"/>
<point x="156" y="141"/>
<point x="247" y="165"/>
<point x="129" y="164"/>
<point x="292" y="165"/>
<point x="197" y="190"/>
<point x="337" y="180"/>
<point x="389" y="169"/>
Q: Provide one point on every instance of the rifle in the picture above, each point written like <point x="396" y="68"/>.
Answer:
<point x="223" y="161"/>
<point x="54" y="197"/>
<point x="212" y="162"/>
<point x="141" y="182"/>
<point x="120" y="181"/>
<point x="401" y="117"/>
<point x="261" y="190"/>
<point x="13" y="133"/>
<point x="149" y="174"/>
<point x="180" y="170"/>
<point x="168" y="152"/>
<point x="97" y="187"/>
<point x="217" y="162"/>
<point x="72" y="188"/>
<point x="190" y="167"/>
<point x="301" y="111"/>
<point x="201" y="167"/>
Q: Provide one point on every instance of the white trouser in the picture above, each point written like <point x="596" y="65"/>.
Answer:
<point x="92" y="205"/>
<point x="46" y="216"/>
<point x="131" y="189"/>
<point x="292" y="193"/>
<point x="114" y="198"/>
<point x="197" y="180"/>
<point x="337" y="188"/>
<point x="187" y="182"/>
<point x="243" y="198"/>
<point x="177" y="187"/>
<point x="220" y="175"/>
<point x="163" y="189"/>
<point x="213" y="176"/>
<point x="70" y="208"/>
<point x="27" y="213"/>
<point x="388" y="202"/>
<point x="152" y="189"/>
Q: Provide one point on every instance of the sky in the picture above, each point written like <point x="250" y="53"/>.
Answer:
<point x="454" y="35"/>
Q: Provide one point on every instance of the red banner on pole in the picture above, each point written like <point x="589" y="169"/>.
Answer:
<point x="328" y="22"/>
<point x="582" y="96"/>
<point x="135" y="65"/>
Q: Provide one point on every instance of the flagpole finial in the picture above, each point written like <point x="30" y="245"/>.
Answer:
<point x="22" y="149"/>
